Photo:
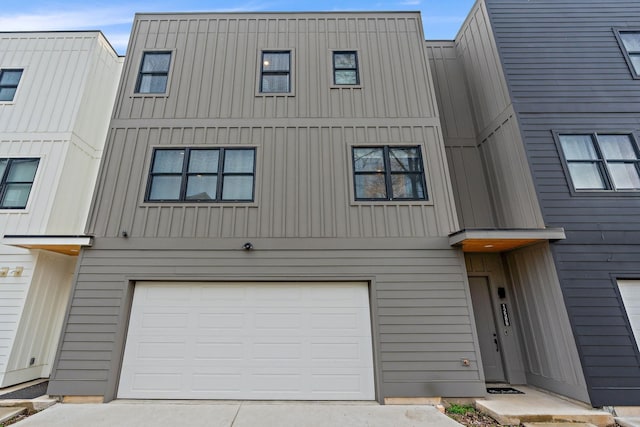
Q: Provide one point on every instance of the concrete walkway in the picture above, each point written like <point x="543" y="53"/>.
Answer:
<point x="123" y="413"/>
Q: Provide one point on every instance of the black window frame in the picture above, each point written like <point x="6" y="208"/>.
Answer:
<point x="142" y="73"/>
<point x="264" y="72"/>
<point x="635" y="73"/>
<point x="388" y="173"/>
<point x="356" y="69"/>
<point x="10" y="86"/>
<point x="184" y="174"/>
<point x="5" y="175"/>
<point x="601" y="163"/>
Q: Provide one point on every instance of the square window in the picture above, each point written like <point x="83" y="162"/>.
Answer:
<point x="275" y="72"/>
<point x="202" y="175"/>
<point x="154" y="72"/>
<point x="630" y="45"/>
<point x="345" y="68"/>
<point x="388" y="173"/>
<point x="9" y="80"/>
<point x="602" y="161"/>
<point x="16" y="180"/>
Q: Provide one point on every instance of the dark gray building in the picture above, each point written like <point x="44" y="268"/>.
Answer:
<point x="540" y="105"/>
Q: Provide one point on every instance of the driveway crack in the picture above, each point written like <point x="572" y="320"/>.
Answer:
<point x="236" y="415"/>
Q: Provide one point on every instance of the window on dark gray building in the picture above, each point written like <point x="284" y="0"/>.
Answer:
<point x="16" y="180"/>
<point x="275" y="72"/>
<point x="602" y="161"/>
<point x="388" y="173"/>
<point x="630" y="41"/>
<point x="154" y="72"/>
<point x="9" y="80"/>
<point x="202" y="175"/>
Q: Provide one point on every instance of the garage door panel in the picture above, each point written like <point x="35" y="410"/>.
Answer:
<point x="249" y="341"/>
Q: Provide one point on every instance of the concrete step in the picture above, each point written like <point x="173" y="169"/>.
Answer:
<point x="7" y="413"/>
<point x="535" y="406"/>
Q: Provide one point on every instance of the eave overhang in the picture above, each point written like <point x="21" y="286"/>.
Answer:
<point x="67" y="245"/>
<point x="502" y="240"/>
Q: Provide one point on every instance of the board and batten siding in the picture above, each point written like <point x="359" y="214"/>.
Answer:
<point x="216" y="61"/>
<point x="468" y="177"/>
<point x="419" y="300"/>
<point x="303" y="186"/>
<point x="57" y="65"/>
<point x="566" y="73"/>
<point x="60" y="114"/>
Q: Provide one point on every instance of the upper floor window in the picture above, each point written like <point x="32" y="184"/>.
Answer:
<point x="631" y="47"/>
<point x="154" y="72"/>
<point x="388" y="173"/>
<point x="275" y="72"/>
<point x="202" y="175"/>
<point x="602" y="161"/>
<point x="16" y="180"/>
<point x="345" y="68"/>
<point x="9" y="80"/>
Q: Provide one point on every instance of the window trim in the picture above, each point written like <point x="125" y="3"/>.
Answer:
<point x="18" y="86"/>
<point x="292" y="72"/>
<point x="184" y="173"/>
<point x="134" y="90"/>
<point x="332" y="67"/>
<point x="610" y="191"/>
<point x="3" y="183"/>
<point x="635" y="74"/>
<point x="389" y="201"/>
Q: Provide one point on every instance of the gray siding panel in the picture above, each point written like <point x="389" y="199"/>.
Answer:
<point x="566" y="72"/>
<point x="420" y="300"/>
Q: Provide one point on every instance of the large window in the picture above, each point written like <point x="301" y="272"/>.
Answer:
<point x="16" y="180"/>
<point x="275" y="72"/>
<point x="345" y="68"/>
<point x="602" y="161"/>
<point x="631" y="46"/>
<point x="388" y="173"/>
<point x="154" y="72"/>
<point x="9" y="80"/>
<point x="202" y="175"/>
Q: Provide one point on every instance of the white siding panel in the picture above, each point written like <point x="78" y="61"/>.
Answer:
<point x="43" y="312"/>
<point x="55" y="68"/>
<point x="13" y="295"/>
<point x="33" y="219"/>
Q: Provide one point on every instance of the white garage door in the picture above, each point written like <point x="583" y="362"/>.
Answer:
<point x="301" y="341"/>
<point x="630" y="291"/>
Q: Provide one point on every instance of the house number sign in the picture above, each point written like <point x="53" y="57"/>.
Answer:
<point x="505" y="314"/>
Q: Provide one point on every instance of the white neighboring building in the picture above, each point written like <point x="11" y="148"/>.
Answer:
<point x="57" y="91"/>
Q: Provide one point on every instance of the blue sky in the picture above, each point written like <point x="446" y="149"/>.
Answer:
<point x="442" y="18"/>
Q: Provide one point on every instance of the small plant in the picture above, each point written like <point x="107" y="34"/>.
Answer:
<point x="460" y="409"/>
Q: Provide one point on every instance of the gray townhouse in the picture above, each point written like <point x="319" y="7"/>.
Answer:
<point x="272" y="219"/>
<point x="540" y="112"/>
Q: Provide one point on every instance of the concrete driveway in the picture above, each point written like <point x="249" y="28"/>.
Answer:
<point x="123" y="413"/>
